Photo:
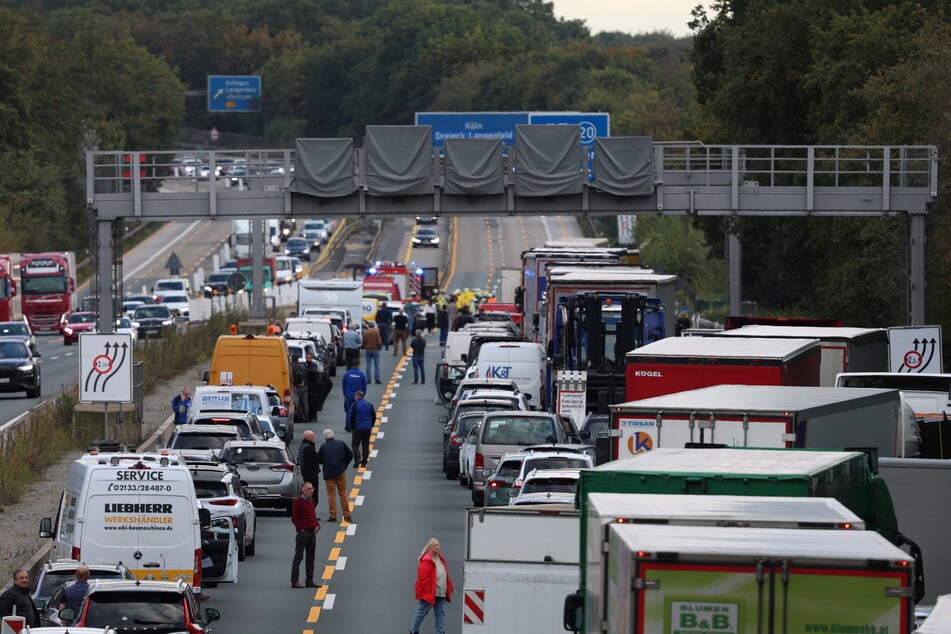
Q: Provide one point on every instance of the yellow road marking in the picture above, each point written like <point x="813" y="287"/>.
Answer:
<point x="339" y="537"/>
<point x="313" y="615"/>
<point x="321" y="593"/>
<point x="328" y="573"/>
<point x="334" y="554"/>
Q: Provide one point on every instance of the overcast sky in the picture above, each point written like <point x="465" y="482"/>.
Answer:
<point x="630" y="16"/>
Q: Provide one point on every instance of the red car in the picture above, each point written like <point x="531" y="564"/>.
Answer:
<point x="76" y="323"/>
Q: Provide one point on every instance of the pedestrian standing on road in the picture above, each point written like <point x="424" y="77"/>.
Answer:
<point x="180" y="404"/>
<point x="353" y="380"/>
<point x="351" y="344"/>
<point x="384" y="321"/>
<point x="360" y="423"/>
<point x="299" y="372"/>
<point x="400" y="331"/>
<point x="410" y="308"/>
<point x="18" y="597"/>
<point x="433" y="587"/>
<point x="75" y="593"/>
<point x="372" y="343"/>
<point x="307" y="459"/>
<point x="304" y="517"/>
<point x="335" y="456"/>
<point x="430" y="312"/>
<point x="442" y="322"/>
<point x="418" y="345"/>
<point x="313" y="373"/>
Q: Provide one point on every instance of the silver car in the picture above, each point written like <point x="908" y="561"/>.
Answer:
<point x="267" y="470"/>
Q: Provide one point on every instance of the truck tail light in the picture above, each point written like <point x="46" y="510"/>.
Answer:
<point x="479" y="462"/>
<point x="196" y="576"/>
<point x="227" y="502"/>
<point x="75" y="554"/>
<point x="287" y="466"/>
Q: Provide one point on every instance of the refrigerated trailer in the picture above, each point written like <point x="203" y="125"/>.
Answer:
<point x="767" y="416"/>
<point x="698" y="579"/>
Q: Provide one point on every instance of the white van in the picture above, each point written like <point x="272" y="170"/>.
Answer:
<point x="524" y="362"/>
<point x="285" y="270"/>
<point x="138" y="510"/>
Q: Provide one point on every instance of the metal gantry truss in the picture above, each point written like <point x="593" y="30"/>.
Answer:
<point x="687" y="178"/>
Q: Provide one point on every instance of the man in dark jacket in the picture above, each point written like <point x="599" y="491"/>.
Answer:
<point x="384" y="320"/>
<point x="299" y="374"/>
<point x="335" y="455"/>
<point x="315" y="389"/>
<point x="307" y="459"/>
<point x="307" y="525"/>
<point x="354" y="380"/>
<point x="18" y="596"/>
<point x="360" y="423"/>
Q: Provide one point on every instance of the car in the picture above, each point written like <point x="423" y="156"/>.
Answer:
<point x="313" y="237"/>
<point x="170" y="286"/>
<point x="452" y="442"/>
<point x="498" y="485"/>
<point x="123" y="326"/>
<point x="19" y="368"/>
<point x="501" y="432"/>
<point x="322" y="227"/>
<point x="158" y="606"/>
<point x="75" y="323"/>
<point x="480" y="405"/>
<point x="285" y="270"/>
<point x="298" y="247"/>
<point x="261" y="400"/>
<point x="152" y="320"/>
<point x="128" y="307"/>
<point x="268" y="471"/>
<point x="202" y="442"/>
<point x="596" y="431"/>
<point x="177" y="304"/>
<point x="236" y="171"/>
<point x="426" y="238"/>
<point x="427" y="220"/>
<point x="56" y="574"/>
<point x="505" y="482"/>
<point x="467" y="455"/>
<point x="220" y="490"/>
<point x="144" y="298"/>
<point x="519" y="400"/>
<point x="548" y="486"/>
<point x="185" y="166"/>
<point x="19" y="329"/>
<point x="247" y="424"/>
<point x="217" y="284"/>
<point x="466" y="385"/>
<point x="299" y="270"/>
<point x="321" y="331"/>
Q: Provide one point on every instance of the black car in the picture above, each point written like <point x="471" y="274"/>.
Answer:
<point x="298" y="247"/>
<point x="152" y="320"/>
<point x="19" y="367"/>
<point x="217" y="283"/>
<point x="18" y="330"/>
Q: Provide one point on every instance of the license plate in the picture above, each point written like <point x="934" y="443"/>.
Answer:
<point x="4" y="379"/>
<point x="258" y="490"/>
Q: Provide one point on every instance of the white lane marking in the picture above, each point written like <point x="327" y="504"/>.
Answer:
<point x="384" y="419"/>
<point x="165" y="247"/>
<point x="358" y="501"/>
<point x="367" y="474"/>
<point x="389" y="406"/>
<point x="329" y="601"/>
<point x="352" y="529"/>
<point x="341" y="563"/>
<point x="379" y="434"/>
<point x="375" y="452"/>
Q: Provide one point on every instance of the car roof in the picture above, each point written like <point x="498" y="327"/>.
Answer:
<point x="230" y="414"/>
<point x="198" y="428"/>
<point x="520" y="413"/>
<point x="138" y="585"/>
<point x="271" y="442"/>
<point x="72" y="564"/>
<point x="571" y="474"/>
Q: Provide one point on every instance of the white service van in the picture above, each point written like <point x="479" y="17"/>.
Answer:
<point x="523" y="361"/>
<point x="139" y="510"/>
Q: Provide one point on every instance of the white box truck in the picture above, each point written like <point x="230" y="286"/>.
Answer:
<point x="701" y="579"/>
<point x="520" y="563"/>
<point x="346" y="294"/>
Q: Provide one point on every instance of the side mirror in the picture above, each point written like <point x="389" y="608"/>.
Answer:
<point x="204" y="518"/>
<point x="574" y="612"/>
<point x="206" y="376"/>
<point x="443" y="420"/>
<point x="46" y="528"/>
<point x="586" y="434"/>
<point x="40" y="604"/>
<point x="67" y="615"/>
<point x="212" y="615"/>
<point x="465" y="358"/>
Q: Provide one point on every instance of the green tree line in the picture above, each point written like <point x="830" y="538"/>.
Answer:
<point x="118" y="74"/>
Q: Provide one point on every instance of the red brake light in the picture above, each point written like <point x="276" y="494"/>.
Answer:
<point x="479" y="461"/>
<point x="287" y="466"/>
<point x="282" y="411"/>
<point x="196" y="576"/>
<point x="75" y="554"/>
<point x="228" y="502"/>
<point x="494" y="484"/>
<point x="455" y="441"/>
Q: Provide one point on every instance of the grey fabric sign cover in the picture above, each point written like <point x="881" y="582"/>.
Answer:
<point x="623" y="165"/>
<point x="399" y="160"/>
<point x="547" y="160"/>
<point x="323" y="167"/>
<point x="473" y="166"/>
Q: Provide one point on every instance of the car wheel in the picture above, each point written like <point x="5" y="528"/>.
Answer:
<point x="241" y="549"/>
<point x="333" y="370"/>
<point x="463" y="480"/>
<point x="249" y="551"/>
<point x="452" y="474"/>
<point x="288" y="510"/>
<point x="478" y="499"/>
<point x="67" y="343"/>
<point x="445" y="464"/>
<point x="35" y="392"/>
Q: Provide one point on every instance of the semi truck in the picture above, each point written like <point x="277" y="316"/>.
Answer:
<point x="676" y="364"/>
<point x="519" y="565"/>
<point x="603" y="510"/>
<point x="847" y="476"/>
<point x="408" y="277"/>
<point x="700" y="579"/>
<point x="843" y="349"/>
<point x="766" y="416"/>
<point x="47" y="288"/>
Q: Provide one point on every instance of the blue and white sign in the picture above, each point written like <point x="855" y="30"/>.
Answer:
<point x="472" y="125"/>
<point x="593" y="124"/>
<point x="234" y="93"/>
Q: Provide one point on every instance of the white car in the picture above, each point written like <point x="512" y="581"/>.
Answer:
<point x="467" y="456"/>
<point x="128" y="307"/>
<point x="170" y="286"/>
<point x="518" y="400"/>
<point x="177" y="304"/>
<point x="548" y="486"/>
<point x="124" y="326"/>
<point x="219" y="490"/>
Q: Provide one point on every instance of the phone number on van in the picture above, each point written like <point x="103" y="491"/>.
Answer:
<point x="140" y="487"/>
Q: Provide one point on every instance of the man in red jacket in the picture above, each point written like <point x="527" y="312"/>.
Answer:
<point x="304" y="516"/>
<point x="433" y="587"/>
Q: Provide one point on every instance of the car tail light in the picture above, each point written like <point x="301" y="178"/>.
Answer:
<point x="479" y="462"/>
<point x="443" y="370"/>
<point x="493" y="484"/>
<point x="287" y="466"/>
<point x="282" y="412"/>
<point x="228" y="502"/>
<point x="455" y="441"/>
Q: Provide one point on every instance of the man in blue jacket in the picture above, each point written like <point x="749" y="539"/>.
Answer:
<point x="360" y="423"/>
<point x="352" y="381"/>
<point x="334" y="455"/>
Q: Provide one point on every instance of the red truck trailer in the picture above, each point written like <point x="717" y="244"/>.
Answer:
<point x="47" y="288"/>
<point x="676" y="364"/>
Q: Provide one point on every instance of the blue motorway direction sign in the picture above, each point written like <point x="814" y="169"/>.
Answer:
<point x="472" y="125"/>
<point x="234" y="93"/>
<point x="593" y="124"/>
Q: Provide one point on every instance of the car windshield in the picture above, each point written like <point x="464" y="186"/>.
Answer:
<point x="246" y="403"/>
<point x="216" y="278"/>
<point x="200" y="441"/>
<point x="82" y="318"/>
<point x="210" y="489"/>
<point x="56" y="579"/>
<point x="175" y="299"/>
<point x="152" y="312"/>
<point x="134" y="610"/>
<point x="171" y="285"/>
<point x="556" y="462"/>
<point x="13" y="350"/>
<point x="13" y="329"/>
<point x="265" y="455"/>
<point x="508" y="470"/>
<point x="123" y="322"/>
<point x="243" y="429"/>
<point x="554" y="484"/>
<point x="297" y="242"/>
<point x="510" y="430"/>
<point x="425" y="233"/>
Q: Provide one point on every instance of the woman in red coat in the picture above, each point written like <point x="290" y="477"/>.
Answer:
<point x="433" y="587"/>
